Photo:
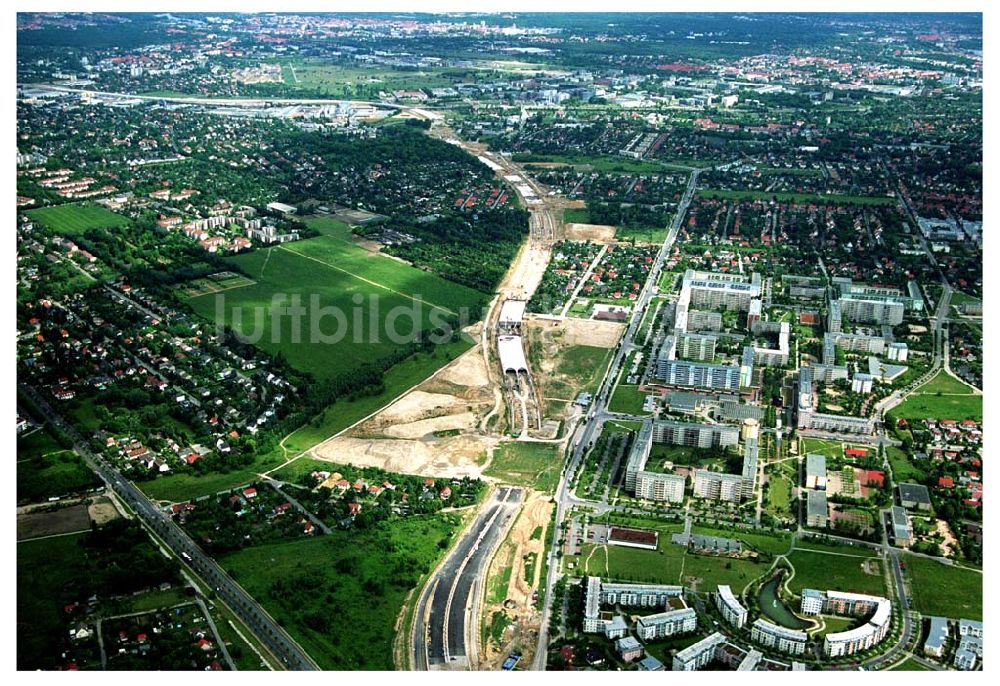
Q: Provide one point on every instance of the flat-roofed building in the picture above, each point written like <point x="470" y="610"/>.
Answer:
<point x="902" y="530"/>
<point x="937" y="636"/>
<point x="713" y="289"/>
<point x="698" y="374"/>
<point x="775" y="357"/>
<point x="629" y="649"/>
<point x="914" y="496"/>
<point x="693" y="346"/>
<point x="872" y="309"/>
<point x="665" y="624"/>
<point x="816" y="471"/>
<point x="695" y="435"/>
<point x="750" y="662"/>
<point x="699" y="654"/>
<point x="660" y="487"/>
<point x="638" y="454"/>
<point x="730" y="607"/>
<point x="718" y="485"/>
<point x="816" y="509"/>
<point x="638" y="595"/>
<point x="778" y="637"/>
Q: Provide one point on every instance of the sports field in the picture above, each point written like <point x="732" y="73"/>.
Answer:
<point x="73" y="219"/>
<point x="365" y="302"/>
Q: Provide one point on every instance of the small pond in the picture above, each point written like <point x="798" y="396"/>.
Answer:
<point x="775" y="610"/>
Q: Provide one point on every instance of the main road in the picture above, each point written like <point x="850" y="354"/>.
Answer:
<point x="263" y="626"/>
<point x="445" y="626"/>
<point x="598" y="414"/>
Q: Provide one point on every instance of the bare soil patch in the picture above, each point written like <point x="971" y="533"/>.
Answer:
<point x="598" y="233"/>
<point x="59" y="521"/>
<point x="451" y="456"/>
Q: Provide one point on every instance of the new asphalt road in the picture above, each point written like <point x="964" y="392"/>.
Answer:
<point x="445" y="620"/>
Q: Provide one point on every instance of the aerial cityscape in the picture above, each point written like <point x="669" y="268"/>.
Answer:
<point x="499" y="341"/>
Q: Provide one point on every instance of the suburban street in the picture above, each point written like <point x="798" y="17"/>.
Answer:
<point x="264" y="627"/>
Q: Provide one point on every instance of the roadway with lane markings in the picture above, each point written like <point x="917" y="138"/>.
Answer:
<point x="255" y="617"/>
<point x="445" y="625"/>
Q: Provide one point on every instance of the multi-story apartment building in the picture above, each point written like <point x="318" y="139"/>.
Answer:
<point x="695" y="435"/>
<point x="713" y="290"/>
<point x="730" y="607"/>
<point x="718" y="485"/>
<point x="665" y="624"/>
<point x="872" y="309"/>
<point x="699" y="654"/>
<point x="660" y="487"/>
<point x="778" y="637"/>
<point x="719" y="377"/>
<point x="693" y="346"/>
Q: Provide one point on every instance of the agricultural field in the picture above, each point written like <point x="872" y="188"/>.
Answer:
<point x="72" y="219"/>
<point x="945" y="590"/>
<point x="367" y="299"/>
<point x="365" y="575"/>
<point x="534" y="465"/>
<point x="824" y="571"/>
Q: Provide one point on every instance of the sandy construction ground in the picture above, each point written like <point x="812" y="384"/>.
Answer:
<point x="451" y="456"/>
<point x="102" y="511"/>
<point x="584" y="331"/>
<point x="525" y="274"/>
<point x="517" y="604"/>
<point x="598" y="233"/>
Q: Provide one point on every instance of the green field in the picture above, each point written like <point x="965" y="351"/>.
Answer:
<point x="370" y="303"/>
<point x="925" y="406"/>
<point x="779" y="490"/>
<point x="798" y="198"/>
<point x="180" y="487"/>
<point x="73" y="219"/>
<point x="859" y="550"/>
<point x="945" y="383"/>
<point x="822" y="447"/>
<point x="627" y="400"/>
<point x="910" y="665"/>
<point x="902" y="468"/>
<point x="943" y="397"/>
<point x="535" y="465"/>
<point x="705" y="572"/>
<point x="818" y="570"/>
<point x="944" y="590"/>
<point x="339" y="595"/>
<point x="583" y="368"/>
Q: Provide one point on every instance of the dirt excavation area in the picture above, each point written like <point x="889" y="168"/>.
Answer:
<point x="596" y="233"/>
<point x="430" y="431"/>
<point x="514" y="575"/>
<point x="526" y="273"/>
